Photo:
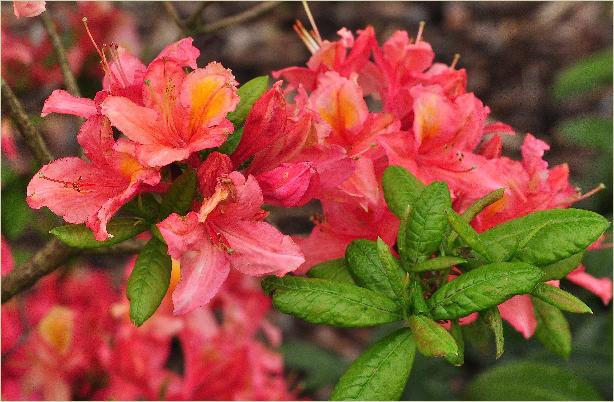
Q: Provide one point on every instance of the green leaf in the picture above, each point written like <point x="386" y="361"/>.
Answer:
<point x="333" y="270"/>
<point x="381" y="372"/>
<point x="560" y="269"/>
<point x="587" y="74"/>
<point x="560" y="298"/>
<point x="148" y="281"/>
<point x="552" y="328"/>
<point x="16" y="215"/>
<point x="320" y="301"/>
<point x="432" y="339"/>
<point x="470" y="236"/>
<point x="143" y="206"/>
<point x="248" y="95"/>
<point x="474" y="209"/>
<point x="545" y="237"/>
<point x="482" y="288"/>
<point x="367" y="270"/>
<point x="437" y="263"/>
<point x="401" y="188"/>
<point x="394" y="273"/>
<point x="178" y="198"/>
<point x="457" y="334"/>
<point x="427" y="224"/>
<point x="591" y="132"/>
<point x="416" y="295"/>
<point x="492" y="317"/>
<point x="402" y="238"/>
<point x="530" y="381"/>
<point x="232" y="142"/>
<point x="80" y="236"/>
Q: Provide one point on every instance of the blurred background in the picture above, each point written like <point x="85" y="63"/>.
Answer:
<point x="542" y="67"/>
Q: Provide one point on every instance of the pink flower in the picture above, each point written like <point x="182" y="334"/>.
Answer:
<point x="182" y="113"/>
<point x="601" y="287"/>
<point x="90" y="192"/>
<point x="227" y="231"/>
<point x="28" y="8"/>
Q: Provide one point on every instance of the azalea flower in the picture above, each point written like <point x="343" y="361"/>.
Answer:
<point x="91" y="192"/>
<point x="226" y="231"/>
<point x="28" y="8"/>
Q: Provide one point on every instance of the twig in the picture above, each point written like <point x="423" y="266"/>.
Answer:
<point x="170" y="9"/>
<point x="34" y="139"/>
<point x="238" y="18"/>
<point x="69" y="78"/>
<point x="197" y="16"/>
<point x="46" y="260"/>
<point x="50" y="257"/>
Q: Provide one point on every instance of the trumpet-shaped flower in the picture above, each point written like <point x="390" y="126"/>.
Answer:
<point x="90" y="192"/>
<point x="227" y="231"/>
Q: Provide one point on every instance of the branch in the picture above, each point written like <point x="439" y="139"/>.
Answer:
<point x="69" y="78"/>
<point x="34" y="139"/>
<point x="196" y="18"/>
<point x="50" y="257"/>
<point x="170" y="9"/>
<point x="244" y="16"/>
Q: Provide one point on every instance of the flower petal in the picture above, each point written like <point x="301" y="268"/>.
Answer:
<point x="62" y="102"/>
<point x="518" y="311"/>
<point x="136" y="122"/>
<point x="181" y="52"/>
<point x="601" y="287"/>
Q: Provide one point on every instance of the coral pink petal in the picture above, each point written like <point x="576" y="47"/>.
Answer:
<point x="62" y="102"/>
<point x="203" y="272"/>
<point x="182" y="233"/>
<point x="73" y="188"/>
<point x="518" y="311"/>
<point x="136" y="122"/>
<point x="288" y="184"/>
<point x="259" y="249"/>
<point x="181" y="52"/>
<point x="601" y="287"/>
<point x="216" y="165"/>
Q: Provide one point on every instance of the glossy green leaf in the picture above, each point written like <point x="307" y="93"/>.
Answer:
<point x="492" y="317"/>
<point x="432" y="339"/>
<point x="437" y="263"/>
<point x="530" y="381"/>
<point x="143" y="206"/>
<point x="585" y="75"/>
<point x="367" y="269"/>
<point x="427" y="223"/>
<point x="474" y="209"/>
<point x="545" y="237"/>
<point x="560" y="298"/>
<point x="148" y="281"/>
<point x="482" y="288"/>
<point x="248" y="95"/>
<point x="470" y="236"/>
<point x="320" y="301"/>
<point x="178" y="198"/>
<point x="552" y="328"/>
<point x="394" y="273"/>
<point x="401" y="188"/>
<point x="80" y="236"/>
<point x="333" y="270"/>
<point x="232" y="142"/>
<point x="402" y="238"/>
<point x="457" y="334"/>
<point x="560" y="269"/>
<point x="416" y="295"/>
<point x="381" y="372"/>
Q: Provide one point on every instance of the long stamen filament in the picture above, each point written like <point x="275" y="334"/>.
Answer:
<point x="304" y="35"/>
<point x="312" y="22"/>
<point x="115" y="56"/>
<point x="420" y="31"/>
<point x="105" y="65"/>
<point x="455" y="60"/>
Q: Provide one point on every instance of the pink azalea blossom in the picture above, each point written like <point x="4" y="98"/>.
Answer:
<point x="227" y="231"/>
<point x="90" y="192"/>
<point x="28" y="8"/>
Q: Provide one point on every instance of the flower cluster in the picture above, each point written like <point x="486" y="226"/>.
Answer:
<point x="426" y="122"/>
<point x="71" y="338"/>
<point x="315" y="138"/>
<point x="167" y="115"/>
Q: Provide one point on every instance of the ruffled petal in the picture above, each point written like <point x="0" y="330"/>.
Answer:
<point x="288" y="185"/>
<point x="182" y="52"/>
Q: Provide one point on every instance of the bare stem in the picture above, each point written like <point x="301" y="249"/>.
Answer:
<point x="170" y="9"/>
<point x="69" y="78"/>
<point x="196" y="18"/>
<point x="241" y="17"/>
<point x="34" y="139"/>
<point x="50" y="257"/>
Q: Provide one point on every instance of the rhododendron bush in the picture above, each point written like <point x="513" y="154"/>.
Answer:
<point x="427" y="227"/>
